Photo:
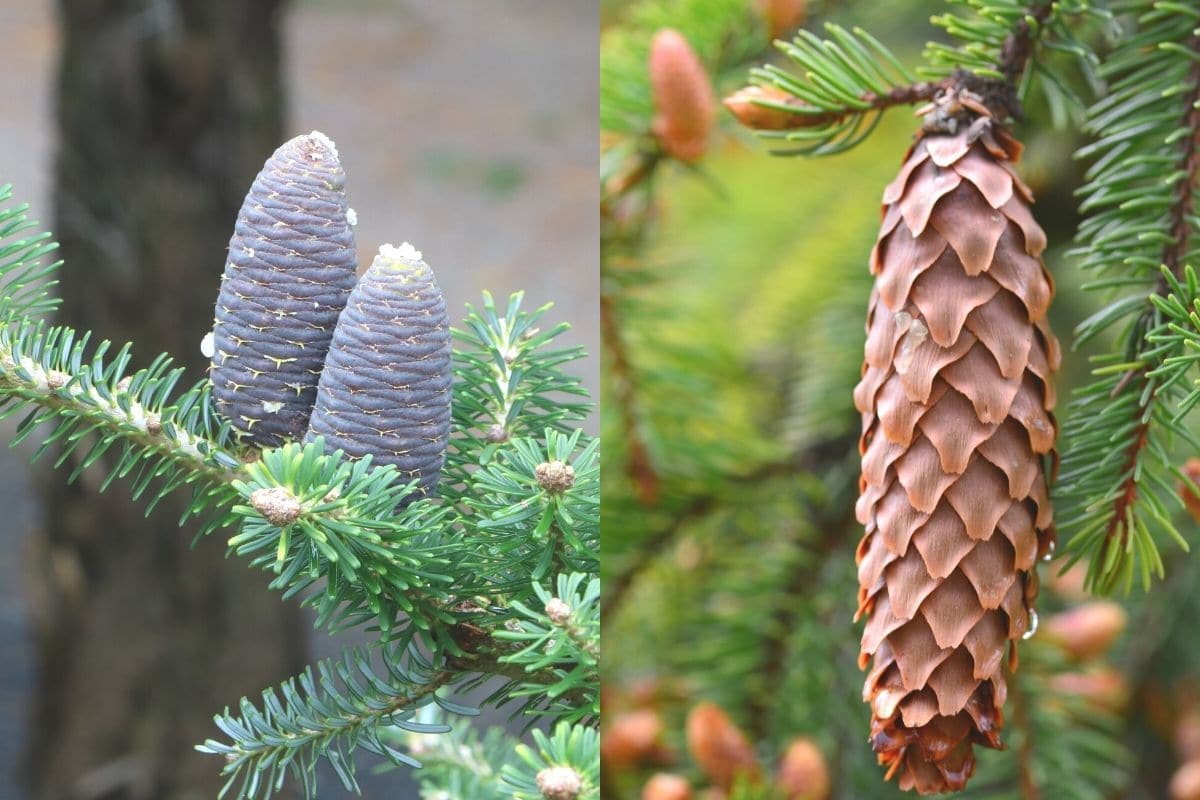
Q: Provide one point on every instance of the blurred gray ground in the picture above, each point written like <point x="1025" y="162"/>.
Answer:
<point x="466" y="128"/>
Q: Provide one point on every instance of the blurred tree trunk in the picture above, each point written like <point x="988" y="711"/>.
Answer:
<point x="166" y="109"/>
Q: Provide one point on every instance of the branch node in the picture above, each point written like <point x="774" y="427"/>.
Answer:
<point x="277" y="505"/>
<point x="554" y="476"/>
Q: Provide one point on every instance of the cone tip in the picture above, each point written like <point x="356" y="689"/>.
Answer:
<point x="405" y="253"/>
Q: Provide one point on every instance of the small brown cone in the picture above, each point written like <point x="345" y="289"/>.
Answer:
<point x="803" y="774"/>
<point x="665" y="786"/>
<point x="1191" y="499"/>
<point x="632" y="738"/>
<point x="1087" y="631"/>
<point x="719" y="747"/>
<point x="956" y="400"/>
<point x="745" y="106"/>
<point x="683" y="97"/>
<point x="1185" y="783"/>
<point x="783" y="16"/>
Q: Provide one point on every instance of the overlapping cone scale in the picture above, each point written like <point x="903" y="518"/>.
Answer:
<point x="385" y="389"/>
<point x="290" y="270"/>
<point x="957" y="450"/>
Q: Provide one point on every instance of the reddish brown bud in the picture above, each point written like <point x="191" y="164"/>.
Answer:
<point x="665" y="786"/>
<point x="632" y="738"/>
<point x="783" y="16"/>
<point x="1191" y="499"/>
<point x="683" y="97"/>
<point x="1070" y="585"/>
<point x="803" y="774"/>
<point x="1087" y="631"/>
<point x="719" y="747"/>
<point x="744" y="104"/>
<point x="1185" y="783"/>
<point x="1187" y="736"/>
<point x="1102" y="688"/>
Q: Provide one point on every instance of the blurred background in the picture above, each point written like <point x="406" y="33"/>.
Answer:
<point x="134" y="128"/>
<point x="734" y="293"/>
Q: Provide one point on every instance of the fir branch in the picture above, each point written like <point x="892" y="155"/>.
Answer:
<point x="561" y="642"/>
<point x="328" y="716"/>
<point x="573" y="748"/>
<point x="509" y="381"/>
<point x="536" y="510"/>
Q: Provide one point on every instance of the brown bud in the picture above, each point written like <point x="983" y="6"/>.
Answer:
<point x="744" y="104"/>
<point x="1185" y="783"/>
<point x="278" y="505"/>
<point x="803" y="774"/>
<point x="1087" y="631"/>
<point x="559" y="783"/>
<point x="57" y="379"/>
<point x="783" y="16"/>
<point x="718" y="746"/>
<point x="554" y="476"/>
<point x="665" y="786"/>
<point x="1070" y="585"/>
<point x="1187" y="736"/>
<point x="632" y="738"/>
<point x="1191" y="499"/>
<point x="1103" y="688"/>
<point x="683" y="97"/>
<point x="557" y="611"/>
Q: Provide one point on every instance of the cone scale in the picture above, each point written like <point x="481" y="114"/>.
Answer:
<point x="958" y="437"/>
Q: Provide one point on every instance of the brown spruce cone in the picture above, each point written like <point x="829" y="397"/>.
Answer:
<point x="956" y="397"/>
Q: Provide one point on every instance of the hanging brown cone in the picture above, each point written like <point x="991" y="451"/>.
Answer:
<point x="683" y="97"/>
<point x="803" y="773"/>
<point x="956" y="397"/>
<point x="719" y="747"/>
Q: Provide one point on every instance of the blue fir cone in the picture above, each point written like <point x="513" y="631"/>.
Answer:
<point x="290" y="271"/>
<point x="385" y="389"/>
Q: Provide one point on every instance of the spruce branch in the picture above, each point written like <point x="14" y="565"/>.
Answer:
<point x="639" y="465"/>
<point x="1118" y="464"/>
<point x="841" y="85"/>
<point x="845" y="84"/>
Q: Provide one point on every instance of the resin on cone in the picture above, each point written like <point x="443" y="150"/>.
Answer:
<point x="385" y="388"/>
<point x="956" y="397"/>
<point x="290" y="270"/>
